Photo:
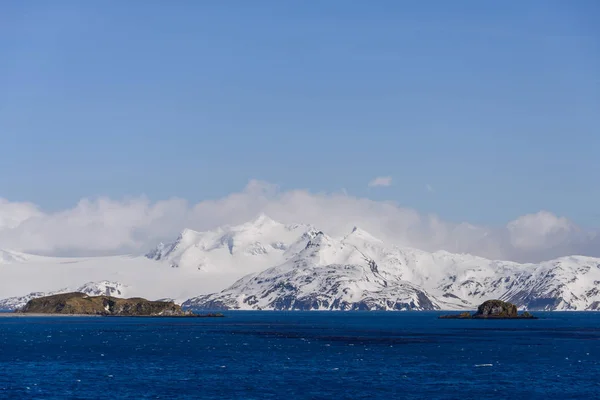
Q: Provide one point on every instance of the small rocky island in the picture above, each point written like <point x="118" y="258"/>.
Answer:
<point x="492" y="309"/>
<point x="82" y="304"/>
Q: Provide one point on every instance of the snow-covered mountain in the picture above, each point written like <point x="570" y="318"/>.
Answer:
<point x="277" y="266"/>
<point x="326" y="274"/>
<point x="250" y="247"/>
<point x="197" y="262"/>
<point x="106" y="288"/>
<point x="362" y="272"/>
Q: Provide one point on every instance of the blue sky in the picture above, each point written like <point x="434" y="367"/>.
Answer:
<point x="496" y="108"/>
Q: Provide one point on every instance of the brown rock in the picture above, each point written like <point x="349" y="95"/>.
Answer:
<point x="80" y="303"/>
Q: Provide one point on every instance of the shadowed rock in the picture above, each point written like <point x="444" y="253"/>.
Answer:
<point x="497" y="308"/>
<point x="492" y="309"/>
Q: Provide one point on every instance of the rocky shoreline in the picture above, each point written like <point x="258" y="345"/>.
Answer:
<point x="46" y="315"/>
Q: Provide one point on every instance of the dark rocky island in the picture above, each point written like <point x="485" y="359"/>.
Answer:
<point x="492" y="309"/>
<point x="82" y="304"/>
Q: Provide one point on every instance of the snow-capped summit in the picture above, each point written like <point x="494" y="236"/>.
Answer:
<point x="186" y="238"/>
<point x="262" y="220"/>
<point x="361" y="234"/>
<point x="250" y="246"/>
<point x="327" y="274"/>
<point x="325" y="250"/>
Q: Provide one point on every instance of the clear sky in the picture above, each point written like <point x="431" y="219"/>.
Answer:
<point x="477" y="112"/>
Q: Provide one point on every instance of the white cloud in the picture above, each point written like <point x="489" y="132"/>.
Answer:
<point x="13" y="214"/>
<point x="381" y="181"/>
<point x="105" y="226"/>
<point x="542" y="229"/>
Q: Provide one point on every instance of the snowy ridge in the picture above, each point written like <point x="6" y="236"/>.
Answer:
<point x="252" y="246"/>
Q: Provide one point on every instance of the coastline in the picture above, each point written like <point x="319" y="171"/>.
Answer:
<point x="41" y="315"/>
<point x="24" y="315"/>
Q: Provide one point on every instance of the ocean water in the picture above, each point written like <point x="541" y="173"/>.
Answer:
<point x="301" y="355"/>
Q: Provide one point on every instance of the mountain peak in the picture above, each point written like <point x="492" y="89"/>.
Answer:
<point x="187" y="236"/>
<point x="362" y="234"/>
<point x="318" y="239"/>
<point x="187" y="232"/>
<point x="260" y="221"/>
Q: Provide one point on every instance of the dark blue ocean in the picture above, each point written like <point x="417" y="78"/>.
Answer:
<point x="301" y="355"/>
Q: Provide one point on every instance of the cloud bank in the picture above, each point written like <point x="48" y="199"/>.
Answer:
<point x="104" y="226"/>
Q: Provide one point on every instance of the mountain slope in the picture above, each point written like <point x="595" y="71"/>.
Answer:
<point x="362" y="272"/>
<point x="9" y="257"/>
<point x="250" y="247"/>
<point x="568" y="283"/>
<point x="326" y="275"/>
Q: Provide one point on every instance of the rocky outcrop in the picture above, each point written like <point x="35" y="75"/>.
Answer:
<point x="492" y="309"/>
<point x="99" y="288"/>
<point x="497" y="308"/>
<point x="81" y="303"/>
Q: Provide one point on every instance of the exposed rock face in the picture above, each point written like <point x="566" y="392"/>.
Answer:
<point x="81" y="303"/>
<point x="497" y="308"/>
<point x="492" y="309"/>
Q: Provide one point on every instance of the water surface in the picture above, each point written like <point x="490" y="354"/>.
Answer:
<point x="301" y="355"/>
